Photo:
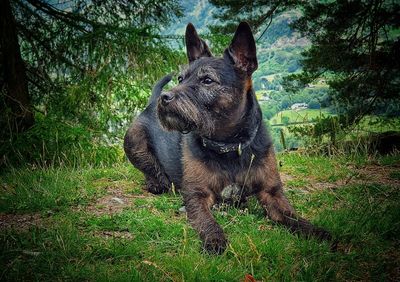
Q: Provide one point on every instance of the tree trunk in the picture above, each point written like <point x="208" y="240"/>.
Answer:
<point x="18" y="114"/>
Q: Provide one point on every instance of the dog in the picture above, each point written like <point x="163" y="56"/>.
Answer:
<point x="206" y="137"/>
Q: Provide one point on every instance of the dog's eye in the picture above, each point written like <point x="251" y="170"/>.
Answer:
<point x="207" y="80"/>
<point x="180" y="79"/>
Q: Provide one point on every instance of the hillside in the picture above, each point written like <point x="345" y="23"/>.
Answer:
<point x="297" y="116"/>
<point x="278" y="52"/>
<point x="199" y="13"/>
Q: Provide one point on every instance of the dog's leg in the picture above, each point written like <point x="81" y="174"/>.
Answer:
<point x="198" y="206"/>
<point x="276" y="205"/>
<point x="199" y="182"/>
<point x="140" y="153"/>
<point x="278" y="209"/>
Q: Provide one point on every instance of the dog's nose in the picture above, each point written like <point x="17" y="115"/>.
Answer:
<point x="166" y="98"/>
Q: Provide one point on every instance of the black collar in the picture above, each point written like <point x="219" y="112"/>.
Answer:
<point x="223" y="147"/>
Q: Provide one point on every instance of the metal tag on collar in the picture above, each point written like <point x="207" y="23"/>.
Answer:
<point x="239" y="150"/>
<point x="204" y="142"/>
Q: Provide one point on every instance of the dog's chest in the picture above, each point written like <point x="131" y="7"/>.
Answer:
<point x="232" y="192"/>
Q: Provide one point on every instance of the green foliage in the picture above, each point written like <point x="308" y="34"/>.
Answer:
<point x="331" y="135"/>
<point x="320" y="131"/>
<point x="218" y="42"/>
<point x="278" y="46"/>
<point x="314" y="167"/>
<point x="325" y="126"/>
<point x="258" y="13"/>
<point x="90" y="67"/>
<point x="54" y="142"/>
<point x="313" y="104"/>
<point x="269" y="109"/>
<point x="395" y="175"/>
<point x="358" y="54"/>
<point x="285" y="120"/>
<point x="278" y="60"/>
<point x="314" y="96"/>
<point x="90" y="43"/>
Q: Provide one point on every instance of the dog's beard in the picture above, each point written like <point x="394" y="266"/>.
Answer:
<point x="172" y="121"/>
<point x="184" y="117"/>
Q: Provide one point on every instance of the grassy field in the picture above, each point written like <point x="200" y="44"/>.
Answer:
<point x="99" y="225"/>
<point x="372" y="124"/>
<point x="305" y="116"/>
<point x="287" y="119"/>
<point x="367" y="124"/>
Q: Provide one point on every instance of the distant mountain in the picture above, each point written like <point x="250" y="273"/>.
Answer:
<point x="278" y="49"/>
<point x="199" y="13"/>
<point x="279" y="52"/>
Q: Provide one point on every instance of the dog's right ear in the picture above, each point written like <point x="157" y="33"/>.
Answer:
<point x="195" y="46"/>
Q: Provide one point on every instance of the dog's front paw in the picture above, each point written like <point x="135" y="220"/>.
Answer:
<point x="325" y="235"/>
<point x="156" y="188"/>
<point x="215" y="243"/>
<point x="322" y="234"/>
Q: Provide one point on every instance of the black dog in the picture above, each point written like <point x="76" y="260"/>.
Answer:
<point x="206" y="136"/>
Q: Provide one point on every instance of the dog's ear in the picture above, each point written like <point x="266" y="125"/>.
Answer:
<point x="195" y="46"/>
<point x="242" y="50"/>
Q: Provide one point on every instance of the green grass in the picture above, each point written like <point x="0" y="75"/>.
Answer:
<point x="305" y="116"/>
<point x="355" y="139"/>
<point x="374" y="124"/>
<point x="77" y="239"/>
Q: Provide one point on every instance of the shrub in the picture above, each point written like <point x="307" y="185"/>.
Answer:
<point x="313" y="104"/>
<point x="54" y="142"/>
<point x="285" y="120"/>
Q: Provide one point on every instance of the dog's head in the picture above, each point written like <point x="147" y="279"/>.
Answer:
<point x="212" y="93"/>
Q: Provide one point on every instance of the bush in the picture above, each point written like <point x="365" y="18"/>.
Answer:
<point x="54" y="142"/>
<point x="313" y="104"/>
<point x="285" y="120"/>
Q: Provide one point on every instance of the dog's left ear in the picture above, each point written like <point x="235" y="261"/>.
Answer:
<point x="195" y="46"/>
<point x="242" y="50"/>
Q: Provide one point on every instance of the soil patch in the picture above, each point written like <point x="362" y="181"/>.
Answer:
<point x="368" y="174"/>
<point x="114" y="234"/>
<point x="378" y="174"/>
<point x="20" y="222"/>
<point x="115" y="200"/>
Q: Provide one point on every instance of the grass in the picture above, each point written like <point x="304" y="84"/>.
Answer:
<point x="353" y="139"/>
<point x="373" y="124"/>
<point x="367" y="124"/>
<point x="304" y="116"/>
<point x="62" y="224"/>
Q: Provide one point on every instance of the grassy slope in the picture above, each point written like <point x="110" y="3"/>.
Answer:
<point x="306" y="115"/>
<point x="63" y="224"/>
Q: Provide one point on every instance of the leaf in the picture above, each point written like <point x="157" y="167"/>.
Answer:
<point x="249" y="278"/>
